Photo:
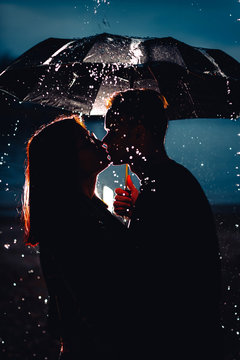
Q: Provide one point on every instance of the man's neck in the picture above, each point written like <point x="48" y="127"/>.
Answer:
<point x="87" y="186"/>
<point x="142" y="166"/>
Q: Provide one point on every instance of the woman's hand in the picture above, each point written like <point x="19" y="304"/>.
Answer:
<point x="125" y="199"/>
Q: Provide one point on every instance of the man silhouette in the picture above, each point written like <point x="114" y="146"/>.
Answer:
<point x="173" y="271"/>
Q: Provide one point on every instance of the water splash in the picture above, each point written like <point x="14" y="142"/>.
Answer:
<point x="135" y="52"/>
<point x="98" y="3"/>
<point x="219" y="71"/>
<point x="4" y="162"/>
<point x="212" y="60"/>
<point x="48" y="61"/>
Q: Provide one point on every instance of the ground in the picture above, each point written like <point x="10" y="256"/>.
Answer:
<point x="24" y="297"/>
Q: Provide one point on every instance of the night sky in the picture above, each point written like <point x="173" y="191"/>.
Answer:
<point x="214" y="24"/>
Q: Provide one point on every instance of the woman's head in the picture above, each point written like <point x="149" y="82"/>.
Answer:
<point x="59" y="155"/>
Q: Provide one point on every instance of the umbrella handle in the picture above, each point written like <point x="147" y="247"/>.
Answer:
<point x="126" y="175"/>
<point x="125" y="218"/>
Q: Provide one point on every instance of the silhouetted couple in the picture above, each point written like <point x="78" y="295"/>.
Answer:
<point x="149" y="291"/>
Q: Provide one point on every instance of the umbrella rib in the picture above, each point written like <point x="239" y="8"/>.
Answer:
<point x="152" y="73"/>
<point x="47" y="62"/>
<point x="163" y="64"/>
<point x="8" y="93"/>
<point x="190" y="97"/>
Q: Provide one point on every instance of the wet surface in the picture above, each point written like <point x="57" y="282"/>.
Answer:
<point x="24" y="298"/>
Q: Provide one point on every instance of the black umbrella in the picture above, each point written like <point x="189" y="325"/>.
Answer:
<point x="80" y="74"/>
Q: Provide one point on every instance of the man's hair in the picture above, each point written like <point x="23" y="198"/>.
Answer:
<point x="139" y="106"/>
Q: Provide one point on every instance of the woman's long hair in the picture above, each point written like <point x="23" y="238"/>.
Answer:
<point x="50" y="175"/>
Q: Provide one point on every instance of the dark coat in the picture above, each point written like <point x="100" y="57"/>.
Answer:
<point x="176" y="281"/>
<point x="82" y="261"/>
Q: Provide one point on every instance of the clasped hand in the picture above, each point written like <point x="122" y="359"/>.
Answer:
<point x="125" y="199"/>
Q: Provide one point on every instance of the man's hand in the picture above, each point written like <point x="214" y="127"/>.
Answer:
<point x="125" y="199"/>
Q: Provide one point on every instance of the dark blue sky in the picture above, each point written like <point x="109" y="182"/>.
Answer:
<point x="215" y="24"/>
<point x="209" y="148"/>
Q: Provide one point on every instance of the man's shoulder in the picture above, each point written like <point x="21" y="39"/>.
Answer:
<point x="169" y="175"/>
<point x="174" y="194"/>
<point x="182" y="179"/>
<point x="172" y="185"/>
<point x="174" y="168"/>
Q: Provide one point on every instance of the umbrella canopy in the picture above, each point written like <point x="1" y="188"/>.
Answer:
<point x="80" y="74"/>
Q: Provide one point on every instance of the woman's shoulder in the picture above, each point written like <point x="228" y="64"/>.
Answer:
<point x="110" y="218"/>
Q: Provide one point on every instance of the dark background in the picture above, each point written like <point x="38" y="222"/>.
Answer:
<point x="210" y="148"/>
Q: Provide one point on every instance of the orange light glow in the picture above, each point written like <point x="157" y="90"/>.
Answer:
<point x="25" y="216"/>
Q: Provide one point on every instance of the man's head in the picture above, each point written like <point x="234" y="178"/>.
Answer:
<point x="135" y="120"/>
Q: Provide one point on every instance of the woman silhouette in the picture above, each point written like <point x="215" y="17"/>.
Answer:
<point x="81" y="243"/>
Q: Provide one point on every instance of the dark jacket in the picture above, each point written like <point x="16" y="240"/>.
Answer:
<point x="176" y="281"/>
<point x="81" y="258"/>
